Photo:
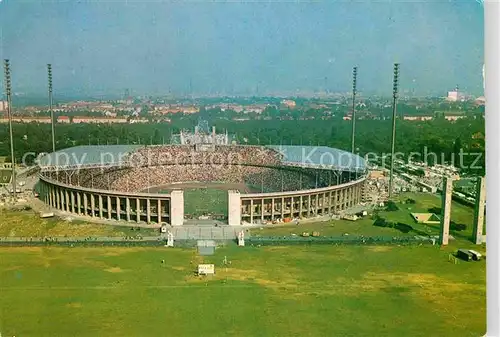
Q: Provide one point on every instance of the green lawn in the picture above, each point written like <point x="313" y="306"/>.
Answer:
<point x="29" y="224"/>
<point x="200" y="201"/>
<point x="267" y="291"/>
<point x="205" y="200"/>
<point x="364" y="226"/>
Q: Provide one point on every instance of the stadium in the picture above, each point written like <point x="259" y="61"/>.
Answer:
<point x="201" y="175"/>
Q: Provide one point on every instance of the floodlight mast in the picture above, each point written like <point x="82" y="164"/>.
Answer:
<point x="354" y="92"/>
<point x="8" y="91"/>
<point x="393" y="139"/>
<point x="52" y="121"/>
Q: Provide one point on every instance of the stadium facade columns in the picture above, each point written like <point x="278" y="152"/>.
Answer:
<point x="445" y="211"/>
<point x="477" y="233"/>
<point x="234" y="208"/>
<point x="177" y="207"/>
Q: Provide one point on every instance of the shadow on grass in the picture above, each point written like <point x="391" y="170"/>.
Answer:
<point x="435" y="210"/>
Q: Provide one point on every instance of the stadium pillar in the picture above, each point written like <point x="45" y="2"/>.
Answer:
<point x="110" y="207"/>
<point x="316" y="201"/>
<point x="251" y="211"/>
<point x="61" y="202"/>
<point x="118" y="209"/>
<point x="272" y="208"/>
<point x="291" y="208"/>
<point x="177" y="207"/>
<point x="100" y="207"/>
<point x="138" y="209"/>
<point x="477" y="232"/>
<point x="52" y="196"/>
<point x="282" y="208"/>
<point x="234" y="208"/>
<point x="158" y="211"/>
<point x="127" y="206"/>
<point x="85" y="204"/>
<point x="79" y="203"/>
<point x="308" y="205"/>
<point x="72" y="201"/>
<point x="148" y="210"/>
<point x="300" y="207"/>
<point x="262" y="210"/>
<point x="92" y="205"/>
<point x="66" y="200"/>
<point x="445" y="211"/>
<point x="330" y="203"/>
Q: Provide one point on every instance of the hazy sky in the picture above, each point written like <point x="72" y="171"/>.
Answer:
<point x="237" y="47"/>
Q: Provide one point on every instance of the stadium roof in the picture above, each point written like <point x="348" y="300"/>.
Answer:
<point x="320" y="156"/>
<point x="88" y="155"/>
<point x="113" y="155"/>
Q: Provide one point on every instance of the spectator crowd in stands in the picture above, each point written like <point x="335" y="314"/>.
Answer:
<point x="153" y="166"/>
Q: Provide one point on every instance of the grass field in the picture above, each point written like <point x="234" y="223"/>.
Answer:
<point x="198" y="201"/>
<point x="267" y="291"/>
<point x="29" y="224"/>
<point x="203" y="198"/>
<point x="424" y="202"/>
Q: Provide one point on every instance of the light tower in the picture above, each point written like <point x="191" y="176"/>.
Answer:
<point x="8" y="92"/>
<point x="354" y="92"/>
<point x="52" y="121"/>
<point x="393" y="140"/>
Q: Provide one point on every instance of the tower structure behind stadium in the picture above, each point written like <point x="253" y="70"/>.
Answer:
<point x="203" y="139"/>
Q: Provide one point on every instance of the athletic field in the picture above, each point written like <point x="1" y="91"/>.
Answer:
<point x="203" y="198"/>
<point x="271" y="291"/>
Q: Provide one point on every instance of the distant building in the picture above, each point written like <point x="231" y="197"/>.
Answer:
<point x="110" y="114"/>
<point x="190" y="110"/>
<point x="63" y="119"/>
<point x="480" y="101"/>
<point x="455" y="96"/>
<point x="289" y="103"/>
<point x="417" y="118"/>
<point x="106" y="120"/>
<point x="3" y="106"/>
<point x="21" y="119"/>
<point x="453" y="118"/>
<point x="452" y="96"/>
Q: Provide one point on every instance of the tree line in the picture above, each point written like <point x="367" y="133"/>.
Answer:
<point x="372" y="136"/>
